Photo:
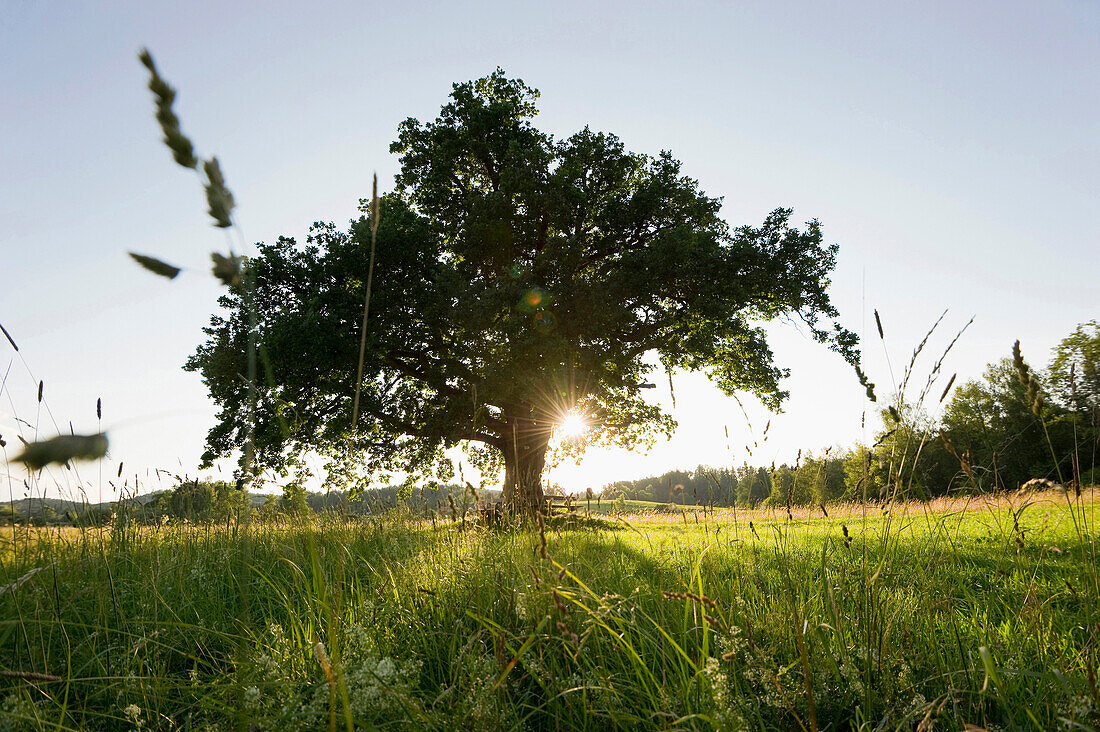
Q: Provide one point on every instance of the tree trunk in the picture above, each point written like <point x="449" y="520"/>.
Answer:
<point x="526" y="440"/>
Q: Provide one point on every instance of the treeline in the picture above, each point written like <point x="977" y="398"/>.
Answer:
<point x="1013" y="424"/>
<point x="203" y="501"/>
<point x="192" y="500"/>
<point x="811" y="481"/>
<point x="420" y="500"/>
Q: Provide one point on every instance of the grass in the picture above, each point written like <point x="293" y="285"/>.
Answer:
<point x="977" y="613"/>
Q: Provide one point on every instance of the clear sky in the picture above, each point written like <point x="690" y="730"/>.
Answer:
<point x="951" y="149"/>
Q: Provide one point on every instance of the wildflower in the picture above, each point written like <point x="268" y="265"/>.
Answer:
<point x="252" y="696"/>
<point x="133" y="713"/>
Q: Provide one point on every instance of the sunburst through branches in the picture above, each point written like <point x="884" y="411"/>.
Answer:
<point x="572" y="426"/>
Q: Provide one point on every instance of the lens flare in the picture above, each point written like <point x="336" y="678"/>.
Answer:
<point x="572" y="426"/>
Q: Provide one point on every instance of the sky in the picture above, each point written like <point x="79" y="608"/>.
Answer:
<point x="951" y="149"/>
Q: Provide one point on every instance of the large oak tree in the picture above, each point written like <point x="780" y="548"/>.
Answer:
<point x="519" y="277"/>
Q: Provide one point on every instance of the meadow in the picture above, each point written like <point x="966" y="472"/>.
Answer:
<point x="936" y="615"/>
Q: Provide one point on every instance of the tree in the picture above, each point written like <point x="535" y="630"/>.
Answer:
<point x="520" y="277"/>
<point x="1074" y="375"/>
<point x="825" y="476"/>
<point x="753" y="487"/>
<point x="1075" y="369"/>
<point x="805" y="476"/>
<point x="229" y="503"/>
<point x="991" y="423"/>
<point x="908" y="458"/>
<point x="191" y="500"/>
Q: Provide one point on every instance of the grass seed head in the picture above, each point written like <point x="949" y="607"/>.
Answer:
<point x="572" y="637"/>
<point x="326" y="666"/>
<point x="183" y="152"/>
<point x="559" y="603"/>
<point x="62" y="449"/>
<point x="8" y="336"/>
<point x="948" y="387"/>
<point x="218" y="197"/>
<point x="28" y="675"/>
<point x="155" y="266"/>
<point x="375" y="207"/>
<point x="227" y="268"/>
<point x="865" y="383"/>
<point x="1035" y="399"/>
<point x="1022" y="370"/>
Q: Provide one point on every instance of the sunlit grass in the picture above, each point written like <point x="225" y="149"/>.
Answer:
<point x="651" y="620"/>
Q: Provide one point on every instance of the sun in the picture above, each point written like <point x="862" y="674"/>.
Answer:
<point x="572" y="426"/>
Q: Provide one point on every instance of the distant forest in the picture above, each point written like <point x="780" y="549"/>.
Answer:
<point x="996" y="433"/>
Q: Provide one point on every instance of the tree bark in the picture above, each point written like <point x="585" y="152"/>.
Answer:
<point x="526" y="440"/>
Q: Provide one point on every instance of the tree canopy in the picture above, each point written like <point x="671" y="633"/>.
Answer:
<point x="1075" y="368"/>
<point x="518" y="278"/>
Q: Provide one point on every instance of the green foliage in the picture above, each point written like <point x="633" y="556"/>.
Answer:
<point x="293" y="500"/>
<point x="783" y="485"/>
<point x="518" y="277"/>
<point x="198" y="500"/>
<point x="996" y="432"/>
<point x="45" y="515"/>
<point x="704" y="485"/>
<point x="94" y="516"/>
<point x="230" y="502"/>
<point x="991" y="422"/>
<point x="268" y="508"/>
<point x="826" y="478"/>
<point x="753" y="487"/>
<point x="191" y="500"/>
<point x="1074" y="370"/>
<point x="911" y="460"/>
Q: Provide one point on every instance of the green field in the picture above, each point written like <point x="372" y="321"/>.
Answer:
<point x="983" y="613"/>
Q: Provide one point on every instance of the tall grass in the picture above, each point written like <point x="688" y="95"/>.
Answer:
<point x="965" y="617"/>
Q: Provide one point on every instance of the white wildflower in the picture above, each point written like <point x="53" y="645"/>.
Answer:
<point x="133" y="713"/>
<point x="252" y="696"/>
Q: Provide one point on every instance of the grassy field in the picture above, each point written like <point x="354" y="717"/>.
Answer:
<point x="965" y="612"/>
